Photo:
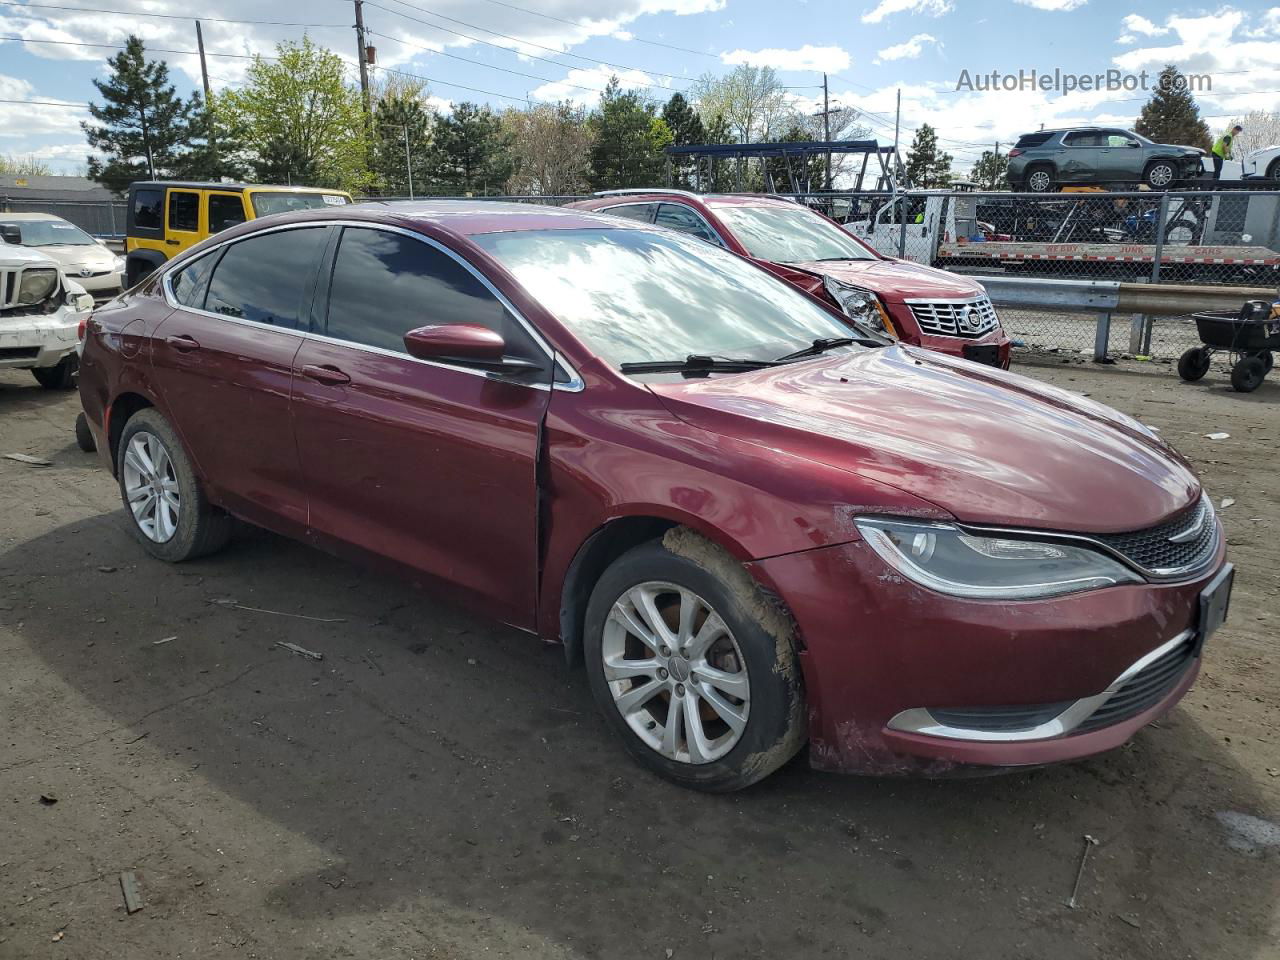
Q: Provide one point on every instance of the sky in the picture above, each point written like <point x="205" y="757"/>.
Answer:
<point x="938" y="53"/>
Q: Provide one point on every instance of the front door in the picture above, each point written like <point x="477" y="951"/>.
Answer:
<point x="223" y="362"/>
<point x="431" y="465"/>
<point x="1079" y="163"/>
<point x="182" y="221"/>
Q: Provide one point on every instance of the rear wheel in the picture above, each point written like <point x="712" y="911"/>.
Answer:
<point x="1193" y="364"/>
<point x="61" y="376"/>
<point x="1273" y="169"/>
<point x="1160" y="174"/>
<point x="1040" y="180"/>
<point x="693" y="666"/>
<point x="1268" y="361"/>
<point x="170" y="515"/>
<point x="1246" y="376"/>
<point x="84" y="436"/>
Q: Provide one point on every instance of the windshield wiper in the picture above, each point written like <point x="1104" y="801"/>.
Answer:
<point x="697" y="363"/>
<point x="821" y="345"/>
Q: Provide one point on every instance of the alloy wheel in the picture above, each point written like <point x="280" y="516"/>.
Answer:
<point x="1161" y="175"/>
<point x="151" y="487"/>
<point x="676" y="673"/>
<point x="1039" y="181"/>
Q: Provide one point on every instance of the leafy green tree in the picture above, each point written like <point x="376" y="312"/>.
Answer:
<point x="810" y="173"/>
<point x="988" y="173"/>
<point x="752" y="100"/>
<point x="403" y="121"/>
<point x="629" y="141"/>
<point x="142" y="126"/>
<point x="302" y="123"/>
<point x="471" y="152"/>
<point x="718" y="175"/>
<point x="686" y="128"/>
<point x="1171" y="115"/>
<point x="215" y="150"/>
<point x="927" y="166"/>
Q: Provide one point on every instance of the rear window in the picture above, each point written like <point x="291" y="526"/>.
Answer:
<point x="148" y="209"/>
<point x="1032" y="139"/>
<point x="265" y="278"/>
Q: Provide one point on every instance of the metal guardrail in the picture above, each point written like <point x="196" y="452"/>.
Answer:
<point x="1102" y="298"/>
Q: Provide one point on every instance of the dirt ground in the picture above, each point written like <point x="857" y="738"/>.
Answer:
<point x="441" y="787"/>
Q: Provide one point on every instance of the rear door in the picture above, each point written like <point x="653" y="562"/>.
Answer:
<point x="223" y="361"/>
<point x="182" y="220"/>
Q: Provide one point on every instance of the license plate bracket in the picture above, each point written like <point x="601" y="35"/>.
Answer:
<point x="1215" y="605"/>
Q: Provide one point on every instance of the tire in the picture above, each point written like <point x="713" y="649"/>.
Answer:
<point x="1182" y="232"/>
<point x="1040" y="180"/>
<point x="1246" y="376"/>
<point x="1160" y="174"/>
<point x="84" y="436"/>
<point x="62" y="376"/>
<point x="200" y="528"/>
<point x="685" y="571"/>
<point x="1268" y="361"/>
<point x="1193" y="364"/>
<point x="1273" y="169"/>
<point x="137" y="271"/>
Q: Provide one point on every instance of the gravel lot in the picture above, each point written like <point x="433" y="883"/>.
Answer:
<point x="441" y="787"/>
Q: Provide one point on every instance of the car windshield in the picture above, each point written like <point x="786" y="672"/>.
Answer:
<point x="266" y="203"/>
<point x="640" y="295"/>
<point x="790" y="234"/>
<point x="49" y="233"/>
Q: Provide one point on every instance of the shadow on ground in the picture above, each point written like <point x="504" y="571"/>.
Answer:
<point x="432" y="754"/>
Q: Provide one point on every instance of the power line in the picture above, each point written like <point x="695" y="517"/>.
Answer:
<point x="477" y="63"/>
<point x="49" y="103"/>
<point x="445" y="83"/>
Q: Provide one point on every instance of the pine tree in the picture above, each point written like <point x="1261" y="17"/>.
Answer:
<point x="143" y="127"/>
<point x="1171" y="115"/>
<point x="927" y="166"/>
<point x="470" y="153"/>
<point x="988" y="173"/>
<point x="686" y="128"/>
<point x="630" y="140"/>
<point x="402" y="126"/>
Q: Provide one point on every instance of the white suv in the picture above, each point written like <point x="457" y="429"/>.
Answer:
<point x="40" y="313"/>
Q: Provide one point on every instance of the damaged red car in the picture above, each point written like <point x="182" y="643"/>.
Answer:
<point x="919" y="305"/>
<point x="753" y="525"/>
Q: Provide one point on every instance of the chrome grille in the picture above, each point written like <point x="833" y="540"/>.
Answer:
<point x="1154" y="551"/>
<point x="1144" y="689"/>
<point x="955" y="318"/>
<point x="8" y="288"/>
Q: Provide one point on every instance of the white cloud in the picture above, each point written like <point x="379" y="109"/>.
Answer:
<point x="27" y="120"/>
<point x="1139" y="24"/>
<point x="1056" y="6"/>
<point x="809" y="58"/>
<point x="886" y="8"/>
<point x="594" y="80"/>
<point x="908" y="49"/>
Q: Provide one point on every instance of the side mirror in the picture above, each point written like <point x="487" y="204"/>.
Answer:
<point x="12" y="233"/>
<point x="466" y="344"/>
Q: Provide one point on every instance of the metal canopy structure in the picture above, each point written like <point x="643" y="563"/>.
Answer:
<point x="787" y="151"/>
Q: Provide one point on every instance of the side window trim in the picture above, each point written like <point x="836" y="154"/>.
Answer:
<point x="713" y="236"/>
<point x="653" y="209"/>
<point x="573" y="383"/>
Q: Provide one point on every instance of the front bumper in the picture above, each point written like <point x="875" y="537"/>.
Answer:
<point x="38" y="340"/>
<point x="877" y="646"/>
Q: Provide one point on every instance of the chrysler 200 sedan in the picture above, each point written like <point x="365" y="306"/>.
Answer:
<point x="753" y="524"/>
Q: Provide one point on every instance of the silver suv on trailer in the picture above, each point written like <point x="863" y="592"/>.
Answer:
<point x="1041" y="162"/>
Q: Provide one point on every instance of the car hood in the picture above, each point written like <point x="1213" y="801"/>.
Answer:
<point x="14" y="257"/>
<point x="895" y="280"/>
<point x="988" y="447"/>
<point x="79" y="254"/>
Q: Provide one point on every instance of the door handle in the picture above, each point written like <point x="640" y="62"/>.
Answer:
<point x="325" y="374"/>
<point x="172" y="243"/>
<point x="183" y="343"/>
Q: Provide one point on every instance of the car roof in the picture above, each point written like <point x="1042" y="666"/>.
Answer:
<point x="461" y="217"/>
<point x="30" y="216"/>
<point x="229" y="187"/>
<point x="620" y="198"/>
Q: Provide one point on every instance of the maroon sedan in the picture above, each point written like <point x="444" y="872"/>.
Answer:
<point x="754" y="524"/>
<point x="913" y="303"/>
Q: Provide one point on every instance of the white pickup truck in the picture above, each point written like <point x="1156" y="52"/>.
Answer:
<point x="40" y="313"/>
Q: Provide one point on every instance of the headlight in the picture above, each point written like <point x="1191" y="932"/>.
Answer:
<point x="946" y="559"/>
<point x="858" y="304"/>
<point x="118" y="265"/>
<point x="36" y="286"/>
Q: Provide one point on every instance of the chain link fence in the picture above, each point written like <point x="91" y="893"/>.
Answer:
<point x="99" y="218"/>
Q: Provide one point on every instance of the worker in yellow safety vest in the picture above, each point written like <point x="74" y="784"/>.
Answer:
<point x="1222" y="149"/>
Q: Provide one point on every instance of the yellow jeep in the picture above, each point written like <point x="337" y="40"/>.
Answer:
<point x="167" y="216"/>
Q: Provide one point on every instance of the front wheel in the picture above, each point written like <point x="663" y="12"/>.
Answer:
<point x="693" y="665"/>
<point x="1246" y="376"/>
<point x="1161" y="174"/>
<point x="1273" y="169"/>
<point x="1193" y="364"/>
<point x="167" y="507"/>
<point x="61" y="376"/>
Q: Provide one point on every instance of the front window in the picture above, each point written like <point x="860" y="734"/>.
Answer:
<point x="267" y="202"/>
<point x="636" y="295"/>
<point x="790" y="234"/>
<point x="50" y="233"/>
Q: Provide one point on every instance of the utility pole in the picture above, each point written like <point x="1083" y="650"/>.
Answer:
<point x="995" y="168"/>
<point x="362" y="54"/>
<point x="826" y="126"/>
<point x="408" y="167"/>
<point x="208" y="94"/>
